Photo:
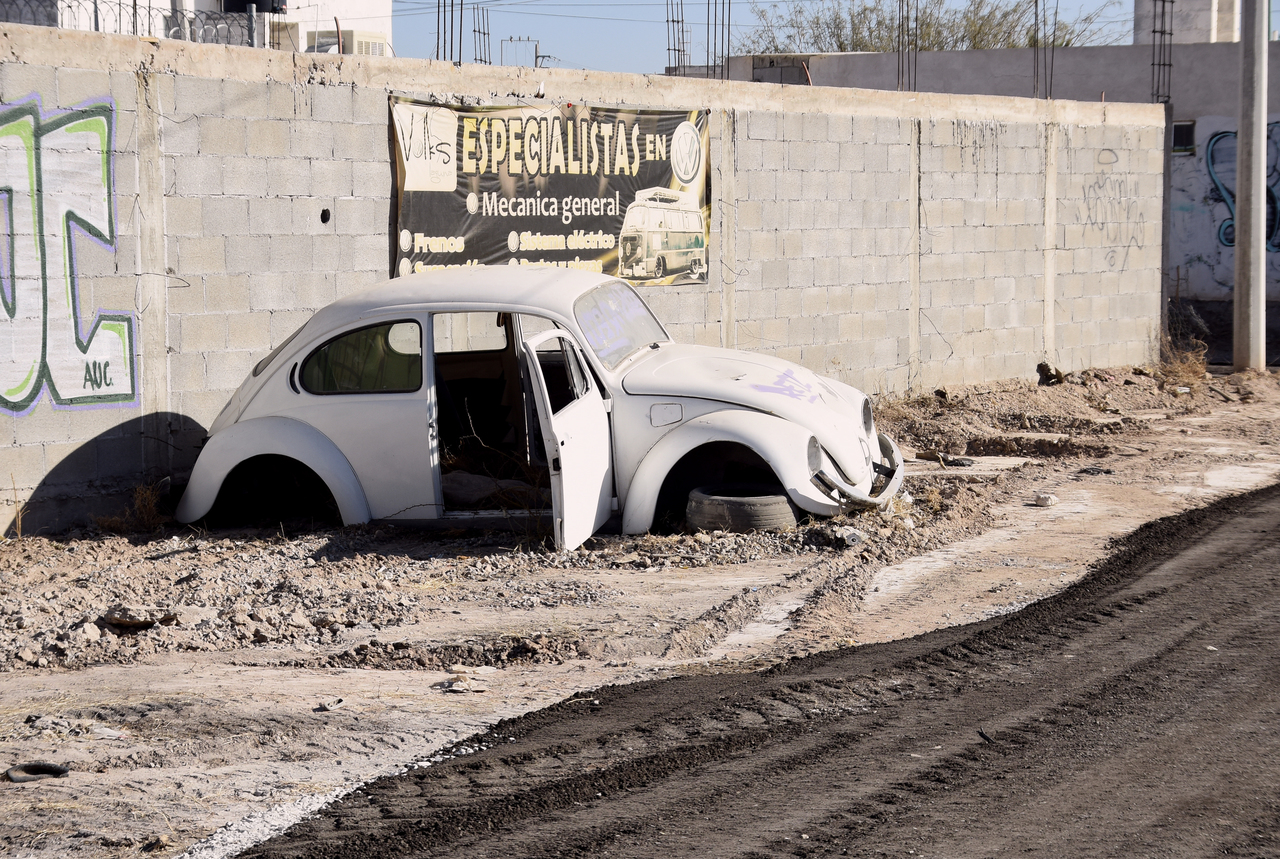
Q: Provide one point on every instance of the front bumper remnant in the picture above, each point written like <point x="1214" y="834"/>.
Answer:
<point x="850" y="497"/>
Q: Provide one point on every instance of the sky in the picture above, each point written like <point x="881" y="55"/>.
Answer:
<point x="606" y="35"/>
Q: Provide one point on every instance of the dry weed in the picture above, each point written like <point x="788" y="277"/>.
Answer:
<point x="143" y="515"/>
<point x="1183" y="362"/>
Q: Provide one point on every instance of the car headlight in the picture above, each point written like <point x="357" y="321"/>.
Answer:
<point x="815" y="455"/>
<point x="868" y="420"/>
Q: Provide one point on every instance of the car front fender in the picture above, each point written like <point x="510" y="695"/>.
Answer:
<point x="781" y="443"/>
<point x="283" y="437"/>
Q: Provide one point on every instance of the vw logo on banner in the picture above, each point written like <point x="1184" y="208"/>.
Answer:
<point x="686" y="153"/>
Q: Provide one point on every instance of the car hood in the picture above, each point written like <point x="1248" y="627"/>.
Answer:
<point x="831" y="410"/>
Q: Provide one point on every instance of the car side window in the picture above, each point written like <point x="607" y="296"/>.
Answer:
<point x="380" y="359"/>
<point x="473" y="331"/>
<point x="562" y="370"/>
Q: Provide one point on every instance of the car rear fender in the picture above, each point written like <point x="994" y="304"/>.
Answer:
<point x="283" y="437"/>
<point x="781" y="443"/>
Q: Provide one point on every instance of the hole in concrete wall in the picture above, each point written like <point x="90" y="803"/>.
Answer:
<point x="324" y="216"/>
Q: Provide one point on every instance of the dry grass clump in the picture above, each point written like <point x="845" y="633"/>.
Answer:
<point x="143" y="515"/>
<point x="1182" y="362"/>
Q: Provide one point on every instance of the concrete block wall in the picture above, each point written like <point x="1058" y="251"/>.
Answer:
<point x="895" y="241"/>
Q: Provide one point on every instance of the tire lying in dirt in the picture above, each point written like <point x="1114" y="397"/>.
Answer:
<point x="740" y="507"/>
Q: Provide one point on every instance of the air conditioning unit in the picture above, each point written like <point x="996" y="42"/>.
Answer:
<point x="366" y="43"/>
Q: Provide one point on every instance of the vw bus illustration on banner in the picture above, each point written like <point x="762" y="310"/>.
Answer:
<point x="664" y="232"/>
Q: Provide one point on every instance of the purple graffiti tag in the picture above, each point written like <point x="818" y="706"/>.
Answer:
<point x="789" y="386"/>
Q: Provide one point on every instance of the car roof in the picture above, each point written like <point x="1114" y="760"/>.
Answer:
<point x="532" y="287"/>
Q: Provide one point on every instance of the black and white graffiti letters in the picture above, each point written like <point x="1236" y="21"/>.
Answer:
<point x="56" y="188"/>
<point x="1112" y="207"/>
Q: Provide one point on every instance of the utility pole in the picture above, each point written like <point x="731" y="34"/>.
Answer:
<point x="1250" y="331"/>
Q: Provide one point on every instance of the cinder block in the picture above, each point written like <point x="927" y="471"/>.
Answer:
<point x="194" y="95"/>
<point x="362" y="142"/>
<point x="270" y="291"/>
<point x="814" y="126"/>
<point x="226" y="370"/>
<point x="287" y="101"/>
<point x="224" y="214"/>
<point x="289" y="177"/>
<point x="197" y="175"/>
<point x="370" y="105"/>
<point x="331" y="179"/>
<point x="82" y="86"/>
<point x="124" y="91"/>
<point x="839" y="128"/>
<point x="268" y="138"/>
<point x="247" y="176"/>
<point x="362" y="215"/>
<point x="200" y="255"/>
<point x="764" y="245"/>
<point x="246" y="100"/>
<point x="43" y="424"/>
<point x="270" y="215"/>
<point x="206" y="332"/>
<point x="186" y="371"/>
<point x="227" y="293"/>
<point x="800" y="156"/>
<point x="791" y="126"/>
<point x="314" y="289"/>
<point x="367" y="253"/>
<point x="310" y="139"/>
<point x="289" y="253"/>
<point x="184" y="295"/>
<point x="245" y="254"/>
<point x="372" y="179"/>
<point x="773" y="333"/>
<point x="20" y="81"/>
<point x="222" y="136"/>
<point x="762" y="125"/>
<point x="331" y="103"/>
<point x="826" y="270"/>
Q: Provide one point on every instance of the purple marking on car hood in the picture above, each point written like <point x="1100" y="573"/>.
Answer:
<point x="830" y="410"/>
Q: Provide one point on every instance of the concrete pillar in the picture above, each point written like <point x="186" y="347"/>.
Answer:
<point x="1250" y="340"/>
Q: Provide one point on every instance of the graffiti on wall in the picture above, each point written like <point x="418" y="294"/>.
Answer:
<point x="1112" y="208"/>
<point x="1202" y="201"/>
<point x="56" y="190"/>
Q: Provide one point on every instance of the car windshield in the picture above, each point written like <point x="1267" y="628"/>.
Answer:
<point x="616" y="322"/>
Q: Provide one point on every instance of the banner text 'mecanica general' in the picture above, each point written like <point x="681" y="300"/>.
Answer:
<point x="547" y="145"/>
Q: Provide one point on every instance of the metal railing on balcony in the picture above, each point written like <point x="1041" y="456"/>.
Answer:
<point x="134" y="18"/>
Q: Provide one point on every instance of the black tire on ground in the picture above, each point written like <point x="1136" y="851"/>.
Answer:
<point x="740" y="507"/>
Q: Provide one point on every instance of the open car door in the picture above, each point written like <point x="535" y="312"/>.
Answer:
<point x="574" y="419"/>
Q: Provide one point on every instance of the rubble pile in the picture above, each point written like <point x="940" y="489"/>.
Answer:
<point x="90" y="599"/>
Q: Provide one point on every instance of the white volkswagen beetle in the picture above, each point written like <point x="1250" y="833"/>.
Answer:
<point x="467" y="394"/>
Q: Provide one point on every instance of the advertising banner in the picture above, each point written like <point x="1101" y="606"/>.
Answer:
<point x="620" y="191"/>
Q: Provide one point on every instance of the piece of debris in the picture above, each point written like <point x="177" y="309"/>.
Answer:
<point x="35" y="771"/>
<point x="1046" y="499"/>
<point x="460" y="684"/>
<point x="160" y="842"/>
<point x="941" y="456"/>
<point x="1096" y="470"/>
<point x="330" y="706"/>
<point x="1049" y="375"/>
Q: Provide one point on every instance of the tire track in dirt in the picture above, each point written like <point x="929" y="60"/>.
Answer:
<point x="1097" y="722"/>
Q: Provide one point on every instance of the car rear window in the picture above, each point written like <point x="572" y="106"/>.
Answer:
<point x="380" y="359"/>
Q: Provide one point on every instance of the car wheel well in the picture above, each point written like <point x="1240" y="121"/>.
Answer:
<point x="717" y="462"/>
<point x="271" y="489"/>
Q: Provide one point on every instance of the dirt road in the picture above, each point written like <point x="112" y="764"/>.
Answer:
<point x="1136" y="713"/>
<point x="179" y="674"/>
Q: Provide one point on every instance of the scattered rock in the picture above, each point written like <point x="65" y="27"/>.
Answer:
<point x="1046" y="499"/>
